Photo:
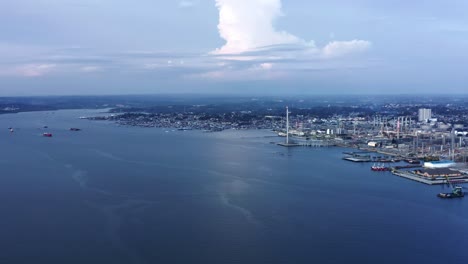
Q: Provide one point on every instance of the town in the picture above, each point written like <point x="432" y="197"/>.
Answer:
<point x="406" y="129"/>
<point x="434" y="133"/>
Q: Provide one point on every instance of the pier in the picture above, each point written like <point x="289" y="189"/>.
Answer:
<point x="410" y="176"/>
<point x="358" y="159"/>
<point x="308" y="143"/>
<point x="356" y="152"/>
<point x="407" y="166"/>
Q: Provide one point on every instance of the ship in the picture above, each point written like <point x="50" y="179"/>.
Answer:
<point x="457" y="192"/>
<point x="75" y="129"/>
<point x="47" y="134"/>
<point x="379" y="167"/>
<point x="282" y="134"/>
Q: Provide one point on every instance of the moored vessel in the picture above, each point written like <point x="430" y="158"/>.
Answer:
<point x="457" y="192"/>
<point x="379" y="167"/>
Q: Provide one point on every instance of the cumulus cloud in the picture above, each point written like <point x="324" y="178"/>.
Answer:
<point x="340" y="48"/>
<point x="248" y="26"/>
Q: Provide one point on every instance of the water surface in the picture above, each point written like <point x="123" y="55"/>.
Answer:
<point x="112" y="194"/>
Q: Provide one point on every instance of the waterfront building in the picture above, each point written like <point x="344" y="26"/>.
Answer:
<point x="438" y="173"/>
<point x="439" y="164"/>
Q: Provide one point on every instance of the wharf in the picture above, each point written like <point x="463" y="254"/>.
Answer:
<point x="387" y="153"/>
<point x="308" y="143"/>
<point x="408" y="166"/>
<point x="358" y="159"/>
<point x="356" y="152"/>
<point x="289" y="144"/>
<point x="410" y="176"/>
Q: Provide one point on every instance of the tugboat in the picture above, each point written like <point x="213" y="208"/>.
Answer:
<point x="47" y="134"/>
<point x="457" y="191"/>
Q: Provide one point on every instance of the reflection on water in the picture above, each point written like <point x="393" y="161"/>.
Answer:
<point x="110" y="194"/>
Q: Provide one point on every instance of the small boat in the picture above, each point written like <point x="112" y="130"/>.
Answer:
<point x="75" y="129"/>
<point x="457" y="192"/>
<point x="47" y="134"/>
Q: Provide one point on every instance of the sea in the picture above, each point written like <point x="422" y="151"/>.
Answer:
<point x="117" y="194"/>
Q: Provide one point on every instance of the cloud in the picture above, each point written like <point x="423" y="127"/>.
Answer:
<point x="31" y="70"/>
<point x="91" y="69"/>
<point x="247" y="26"/>
<point x="266" y="66"/>
<point x="256" y="72"/>
<point x="341" y="48"/>
<point x="186" y="4"/>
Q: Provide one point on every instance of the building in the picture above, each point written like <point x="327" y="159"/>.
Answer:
<point x="439" y="164"/>
<point x="424" y="115"/>
<point x="438" y="173"/>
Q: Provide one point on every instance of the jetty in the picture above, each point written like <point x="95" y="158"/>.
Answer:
<point x="411" y="176"/>
<point x="356" y="152"/>
<point x="407" y="166"/>
<point x="358" y="158"/>
<point x="307" y="143"/>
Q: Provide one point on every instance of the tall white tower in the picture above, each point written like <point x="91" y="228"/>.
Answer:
<point x="287" y="125"/>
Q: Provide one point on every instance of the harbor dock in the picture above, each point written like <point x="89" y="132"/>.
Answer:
<point x="358" y="159"/>
<point x="411" y="176"/>
<point x="307" y="143"/>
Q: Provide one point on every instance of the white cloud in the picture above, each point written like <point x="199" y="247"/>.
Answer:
<point x="223" y="72"/>
<point x="248" y="25"/>
<point x="341" y="48"/>
<point x="90" y="68"/>
<point x="32" y="70"/>
<point x="266" y="66"/>
<point x="186" y="4"/>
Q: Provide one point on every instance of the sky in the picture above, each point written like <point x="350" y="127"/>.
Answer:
<point x="79" y="47"/>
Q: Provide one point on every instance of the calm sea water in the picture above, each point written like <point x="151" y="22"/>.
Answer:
<point x="111" y="194"/>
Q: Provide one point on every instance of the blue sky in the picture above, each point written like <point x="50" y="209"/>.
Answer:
<point x="232" y="46"/>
